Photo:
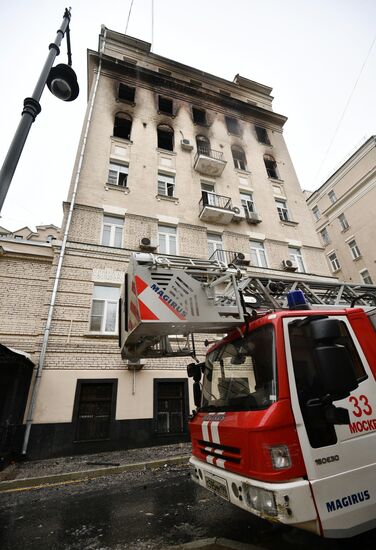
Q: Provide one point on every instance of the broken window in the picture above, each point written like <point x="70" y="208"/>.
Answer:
<point x="240" y="161"/>
<point x="123" y="125"/>
<point x="271" y="167"/>
<point x="165" y="137"/>
<point x="232" y="125"/>
<point x="199" y="115"/>
<point x="126" y="93"/>
<point x="262" y="135"/>
<point x="203" y="145"/>
<point x="165" y="105"/>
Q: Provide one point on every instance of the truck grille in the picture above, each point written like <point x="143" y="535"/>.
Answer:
<point x="231" y="454"/>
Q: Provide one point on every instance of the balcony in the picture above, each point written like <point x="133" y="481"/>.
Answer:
<point x="229" y="257"/>
<point x="215" y="208"/>
<point x="209" y="162"/>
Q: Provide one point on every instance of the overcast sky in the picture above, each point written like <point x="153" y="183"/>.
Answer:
<point x="309" y="51"/>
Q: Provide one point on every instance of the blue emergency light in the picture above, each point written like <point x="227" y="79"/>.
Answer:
<point x="297" y="300"/>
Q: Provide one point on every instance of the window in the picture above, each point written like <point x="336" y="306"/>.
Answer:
<point x="118" y="175"/>
<point x="247" y="203"/>
<point x="332" y="197"/>
<point x="258" y="256"/>
<point x="50" y="238"/>
<point x="240" y="161"/>
<point x="232" y="125"/>
<point x="366" y="277"/>
<point x="262" y="135"/>
<point x="166" y="185"/>
<point x="343" y="222"/>
<point x="95" y="409"/>
<point x="199" y="116"/>
<point x="214" y="243"/>
<point x="283" y="213"/>
<point x="165" y="137"/>
<point x="271" y="167"/>
<point x="123" y="125"/>
<point x="112" y="234"/>
<point x="104" y="309"/>
<point x="165" y="105"/>
<point x="167" y="239"/>
<point x="18" y="237"/>
<point x="208" y="196"/>
<point x="316" y="213"/>
<point x="296" y="256"/>
<point x="171" y="406"/>
<point x="203" y="145"/>
<point x="126" y="93"/>
<point x="325" y="236"/>
<point x="334" y="262"/>
<point x="355" y="252"/>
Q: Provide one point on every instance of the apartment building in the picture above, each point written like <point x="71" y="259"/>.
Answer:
<point x="344" y="217"/>
<point x="179" y="162"/>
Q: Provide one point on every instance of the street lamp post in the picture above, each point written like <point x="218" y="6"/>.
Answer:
<point x="61" y="81"/>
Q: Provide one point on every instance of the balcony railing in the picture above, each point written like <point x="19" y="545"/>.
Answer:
<point x="209" y="162"/>
<point x="214" y="200"/>
<point x="207" y="152"/>
<point x="229" y="257"/>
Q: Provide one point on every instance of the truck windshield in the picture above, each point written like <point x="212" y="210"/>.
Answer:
<point x="241" y="375"/>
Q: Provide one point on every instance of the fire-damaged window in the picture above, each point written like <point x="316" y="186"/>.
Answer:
<point x="203" y="145"/>
<point x="94" y="409"/>
<point x="232" y="125"/>
<point x="170" y="406"/>
<point x="271" y="167"/>
<point x="238" y="155"/>
<point x="165" y="105"/>
<point x="199" y="116"/>
<point x="126" y="93"/>
<point x="123" y="125"/>
<point x="262" y="135"/>
<point x="165" y="137"/>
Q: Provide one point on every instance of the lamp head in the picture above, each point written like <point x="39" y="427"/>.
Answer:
<point x="62" y="82"/>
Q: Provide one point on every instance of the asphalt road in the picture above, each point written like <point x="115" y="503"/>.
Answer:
<point x="138" y="511"/>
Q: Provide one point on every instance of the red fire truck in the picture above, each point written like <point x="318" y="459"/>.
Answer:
<point x="285" y="425"/>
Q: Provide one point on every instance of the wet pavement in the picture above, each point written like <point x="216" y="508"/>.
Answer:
<point x="148" y="509"/>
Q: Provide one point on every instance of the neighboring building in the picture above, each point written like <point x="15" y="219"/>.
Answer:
<point x="343" y="212"/>
<point x="184" y="163"/>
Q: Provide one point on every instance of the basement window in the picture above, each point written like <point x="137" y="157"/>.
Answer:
<point x="126" y="93"/>
<point x="199" y="115"/>
<point x="123" y="126"/>
<point x="232" y="125"/>
<point x="165" y="105"/>
<point x="165" y="137"/>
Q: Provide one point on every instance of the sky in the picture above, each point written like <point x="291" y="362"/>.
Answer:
<point x="309" y="51"/>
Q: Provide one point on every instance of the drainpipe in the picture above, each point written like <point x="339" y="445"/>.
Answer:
<point x="38" y="376"/>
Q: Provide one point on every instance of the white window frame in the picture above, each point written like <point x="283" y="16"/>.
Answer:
<point x="258" y="253"/>
<point x="354" y="249"/>
<point x="214" y="243"/>
<point x="282" y="210"/>
<point x="247" y="203"/>
<point x="325" y="236"/>
<point x="107" y="303"/>
<point x="117" y="171"/>
<point x="166" y="185"/>
<point x="316" y="213"/>
<point x="334" y="262"/>
<point x="343" y="222"/>
<point x="116" y="227"/>
<point x="332" y="196"/>
<point x="297" y="257"/>
<point x="209" y="189"/>
<point x="365" y="275"/>
<point x="170" y="245"/>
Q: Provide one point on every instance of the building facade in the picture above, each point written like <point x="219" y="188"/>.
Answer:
<point x="171" y="160"/>
<point x="344" y="218"/>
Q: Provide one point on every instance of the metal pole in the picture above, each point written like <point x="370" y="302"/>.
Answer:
<point x="30" y="111"/>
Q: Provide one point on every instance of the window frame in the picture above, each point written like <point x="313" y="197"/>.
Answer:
<point x="324" y="234"/>
<point x="127" y="100"/>
<point x="232" y="125"/>
<point x="170" y="234"/>
<point x="197" y="120"/>
<point x="316" y="213"/>
<point x="272" y="171"/>
<point x="334" y="262"/>
<point x="332" y="196"/>
<point x="354" y="249"/>
<point x="167" y="131"/>
<point x="262" y="135"/>
<point x="122" y="116"/>
<point x="247" y="202"/>
<point x="104" y="318"/>
<point x="257" y="250"/>
<point x="185" y="406"/>
<point x="295" y="254"/>
<point x="283" y="211"/>
<point x="368" y="276"/>
<point x="169" y="186"/>
<point x="217" y="242"/>
<point x="161" y="100"/>
<point x="119" y="169"/>
<point x="240" y="161"/>
<point x="344" y="224"/>
<point x="113" y="233"/>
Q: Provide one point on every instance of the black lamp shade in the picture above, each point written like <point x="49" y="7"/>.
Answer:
<point x="62" y="82"/>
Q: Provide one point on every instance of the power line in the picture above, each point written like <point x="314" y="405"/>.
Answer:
<point x="346" y="107"/>
<point x="129" y="14"/>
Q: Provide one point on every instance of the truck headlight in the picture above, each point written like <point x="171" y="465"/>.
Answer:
<point x="260" y="499"/>
<point x="280" y="457"/>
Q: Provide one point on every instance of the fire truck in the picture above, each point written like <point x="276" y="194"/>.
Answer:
<point x="285" y="418"/>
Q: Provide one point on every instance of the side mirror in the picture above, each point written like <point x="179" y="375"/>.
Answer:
<point x="197" y="394"/>
<point x="194" y="370"/>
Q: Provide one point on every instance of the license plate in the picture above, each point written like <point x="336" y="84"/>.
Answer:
<point x="217" y="485"/>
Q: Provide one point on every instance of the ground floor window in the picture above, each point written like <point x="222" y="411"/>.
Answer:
<point x="170" y="406"/>
<point x="94" y="409"/>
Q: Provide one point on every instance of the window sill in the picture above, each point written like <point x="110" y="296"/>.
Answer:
<point x="346" y="229"/>
<point x="336" y="270"/>
<point x="244" y="172"/>
<point x="265" y="144"/>
<point x="121" y="139"/>
<point x="357" y="258"/>
<point x="113" y="187"/>
<point x="276" y="180"/>
<point x="107" y="335"/>
<point x="126" y="101"/>
<point x="238" y="134"/>
<point x="166" y="151"/>
<point x="165" y="198"/>
<point x="289" y="222"/>
<point x="203" y="124"/>
<point x="172" y="115"/>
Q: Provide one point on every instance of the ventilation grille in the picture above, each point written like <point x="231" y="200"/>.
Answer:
<point x="225" y="452"/>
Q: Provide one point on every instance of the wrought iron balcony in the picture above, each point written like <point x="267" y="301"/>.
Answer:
<point x="209" y="162"/>
<point x="230" y="257"/>
<point x="215" y="208"/>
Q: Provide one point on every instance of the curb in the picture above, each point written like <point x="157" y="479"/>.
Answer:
<point x="55" y="479"/>
<point x="214" y="544"/>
